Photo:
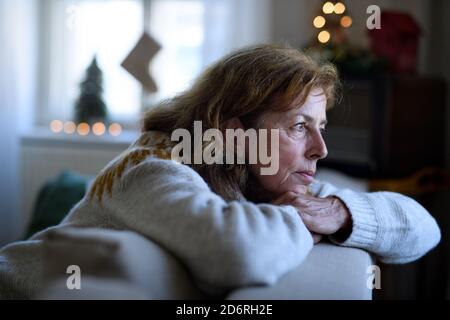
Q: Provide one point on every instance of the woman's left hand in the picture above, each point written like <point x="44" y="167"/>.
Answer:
<point x="324" y="216"/>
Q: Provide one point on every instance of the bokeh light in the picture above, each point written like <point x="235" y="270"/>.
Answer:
<point x="70" y="127"/>
<point x="319" y="22"/>
<point x="99" y="129"/>
<point x="83" y="129"/>
<point x="115" y="129"/>
<point x="328" y="8"/>
<point x="323" y="36"/>
<point x="56" y="126"/>
<point x="346" y="21"/>
<point x="339" y="8"/>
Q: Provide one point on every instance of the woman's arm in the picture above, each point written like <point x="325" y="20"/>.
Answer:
<point x="223" y="244"/>
<point x="394" y="227"/>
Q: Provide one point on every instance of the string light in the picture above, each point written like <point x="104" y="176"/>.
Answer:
<point x="115" y="129"/>
<point x="339" y="8"/>
<point x="319" y="22"/>
<point x="70" y="127"/>
<point x="334" y="21"/>
<point x="346" y="21"/>
<point x="99" y="129"/>
<point x="328" y="8"/>
<point x="83" y="129"/>
<point x="324" y="36"/>
<point x="56" y="126"/>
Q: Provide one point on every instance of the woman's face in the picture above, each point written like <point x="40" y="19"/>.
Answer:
<point x="301" y="145"/>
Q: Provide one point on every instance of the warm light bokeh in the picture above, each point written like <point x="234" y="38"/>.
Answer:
<point x="115" y="129"/>
<point x="323" y="36"/>
<point x="319" y="22"/>
<point x="328" y="8"/>
<point x="339" y="8"/>
<point x="56" y="126"/>
<point x="83" y="129"/>
<point x="70" y="127"/>
<point x="99" y="129"/>
<point x="346" y="21"/>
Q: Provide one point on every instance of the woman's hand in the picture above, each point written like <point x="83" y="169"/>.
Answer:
<point x="322" y="216"/>
<point x="316" y="237"/>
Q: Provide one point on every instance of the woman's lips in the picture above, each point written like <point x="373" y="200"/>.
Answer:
<point x="306" y="176"/>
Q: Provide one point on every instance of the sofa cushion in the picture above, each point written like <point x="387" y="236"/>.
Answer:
<point x="329" y="272"/>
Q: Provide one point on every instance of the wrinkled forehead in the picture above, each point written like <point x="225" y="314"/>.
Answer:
<point x="313" y="108"/>
<point x="315" y="95"/>
<point x="316" y="101"/>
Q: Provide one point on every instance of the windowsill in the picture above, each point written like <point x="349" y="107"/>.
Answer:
<point x="43" y="136"/>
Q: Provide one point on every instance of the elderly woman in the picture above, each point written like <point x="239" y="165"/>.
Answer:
<point x="228" y="223"/>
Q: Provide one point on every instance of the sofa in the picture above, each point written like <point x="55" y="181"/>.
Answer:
<point x="124" y="265"/>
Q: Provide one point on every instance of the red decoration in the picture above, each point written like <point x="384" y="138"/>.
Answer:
<point x="397" y="41"/>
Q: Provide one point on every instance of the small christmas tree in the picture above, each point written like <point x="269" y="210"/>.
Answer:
<point x="90" y="106"/>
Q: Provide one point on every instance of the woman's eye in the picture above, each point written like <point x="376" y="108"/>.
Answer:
<point x="300" y="126"/>
<point x="323" y="129"/>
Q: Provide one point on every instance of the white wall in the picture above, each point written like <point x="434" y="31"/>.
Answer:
<point x="232" y="24"/>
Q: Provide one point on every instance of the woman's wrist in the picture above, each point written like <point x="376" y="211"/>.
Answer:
<point x="346" y="223"/>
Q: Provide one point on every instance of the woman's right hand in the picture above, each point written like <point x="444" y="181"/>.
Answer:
<point x="296" y="200"/>
<point x="289" y="198"/>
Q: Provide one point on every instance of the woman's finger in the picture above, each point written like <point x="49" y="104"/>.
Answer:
<point x="316" y="237"/>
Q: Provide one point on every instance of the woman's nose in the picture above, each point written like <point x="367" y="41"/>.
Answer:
<point x="317" y="148"/>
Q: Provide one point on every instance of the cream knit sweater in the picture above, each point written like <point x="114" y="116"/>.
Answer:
<point x="223" y="244"/>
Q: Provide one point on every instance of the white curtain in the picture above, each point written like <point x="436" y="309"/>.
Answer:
<point x="17" y="56"/>
<point x="230" y="24"/>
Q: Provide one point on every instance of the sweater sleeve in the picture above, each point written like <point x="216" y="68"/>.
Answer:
<point x="392" y="226"/>
<point x="223" y="244"/>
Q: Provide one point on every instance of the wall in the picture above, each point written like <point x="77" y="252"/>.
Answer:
<point x="440" y="52"/>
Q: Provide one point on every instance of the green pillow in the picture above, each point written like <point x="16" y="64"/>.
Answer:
<point x="55" y="200"/>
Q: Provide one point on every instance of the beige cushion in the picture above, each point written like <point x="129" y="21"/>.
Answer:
<point x="329" y="272"/>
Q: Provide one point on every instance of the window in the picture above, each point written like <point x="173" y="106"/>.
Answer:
<point x="109" y="29"/>
<point x="192" y="33"/>
<point x="178" y="26"/>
